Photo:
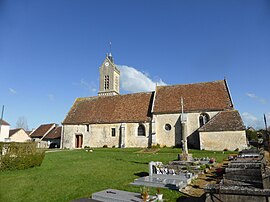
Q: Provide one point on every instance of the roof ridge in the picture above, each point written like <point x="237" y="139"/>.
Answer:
<point x="128" y="94"/>
<point x="206" y="82"/>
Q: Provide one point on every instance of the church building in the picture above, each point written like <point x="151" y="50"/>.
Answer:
<point x="200" y="115"/>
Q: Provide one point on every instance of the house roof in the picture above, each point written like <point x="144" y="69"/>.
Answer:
<point x="224" y="121"/>
<point x="111" y="109"/>
<point x="207" y="96"/>
<point x="42" y="130"/>
<point x="13" y="131"/>
<point x="54" y="134"/>
<point x="3" y="122"/>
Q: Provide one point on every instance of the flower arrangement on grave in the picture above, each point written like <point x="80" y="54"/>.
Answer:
<point x="145" y="193"/>
<point x="212" y="160"/>
<point x="159" y="194"/>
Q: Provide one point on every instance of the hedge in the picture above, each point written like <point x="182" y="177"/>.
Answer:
<point x="17" y="156"/>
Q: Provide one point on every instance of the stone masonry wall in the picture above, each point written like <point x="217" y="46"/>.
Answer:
<point x="219" y="141"/>
<point x="174" y="136"/>
<point x="100" y="135"/>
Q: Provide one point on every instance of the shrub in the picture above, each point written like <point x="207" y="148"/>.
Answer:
<point x="17" y="156"/>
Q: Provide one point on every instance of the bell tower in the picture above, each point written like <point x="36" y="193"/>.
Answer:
<point x="109" y="79"/>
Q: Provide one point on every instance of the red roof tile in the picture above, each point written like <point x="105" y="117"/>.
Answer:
<point x="54" y="134"/>
<point x="42" y="130"/>
<point x="111" y="109"/>
<point x="224" y="121"/>
<point x="208" y="96"/>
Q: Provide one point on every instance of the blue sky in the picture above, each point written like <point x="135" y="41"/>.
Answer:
<point x="50" y="51"/>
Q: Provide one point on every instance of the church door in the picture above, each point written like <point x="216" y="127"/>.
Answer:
<point x="78" y="141"/>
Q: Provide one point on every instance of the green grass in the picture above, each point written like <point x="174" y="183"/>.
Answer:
<point x="69" y="175"/>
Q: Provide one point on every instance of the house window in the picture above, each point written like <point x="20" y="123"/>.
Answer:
<point x="141" y="130"/>
<point x="167" y="127"/>
<point x="106" y="82"/>
<point x="113" y="132"/>
<point x="203" y="119"/>
<point x="87" y="127"/>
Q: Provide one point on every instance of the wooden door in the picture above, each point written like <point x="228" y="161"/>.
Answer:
<point x="79" y="141"/>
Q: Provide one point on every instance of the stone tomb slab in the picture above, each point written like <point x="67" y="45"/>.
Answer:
<point x="113" y="195"/>
<point x="161" y="181"/>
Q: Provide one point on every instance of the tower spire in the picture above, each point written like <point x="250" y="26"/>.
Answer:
<point x="110" y="53"/>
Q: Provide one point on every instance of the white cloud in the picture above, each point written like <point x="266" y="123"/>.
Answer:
<point x="134" y="81"/>
<point x="12" y="91"/>
<point x="51" y="97"/>
<point x="84" y="84"/>
<point x="255" y="97"/>
<point x="254" y="121"/>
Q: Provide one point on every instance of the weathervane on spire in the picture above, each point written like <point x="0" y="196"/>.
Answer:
<point x="110" y="53"/>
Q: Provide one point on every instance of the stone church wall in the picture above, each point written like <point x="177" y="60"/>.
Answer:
<point x="132" y="138"/>
<point x="101" y="134"/>
<point x="218" y="141"/>
<point x="174" y="136"/>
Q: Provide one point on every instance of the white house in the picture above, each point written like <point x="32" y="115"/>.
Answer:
<point x="4" y="131"/>
<point x="18" y="135"/>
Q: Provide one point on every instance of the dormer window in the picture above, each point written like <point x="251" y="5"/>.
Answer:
<point x="203" y="119"/>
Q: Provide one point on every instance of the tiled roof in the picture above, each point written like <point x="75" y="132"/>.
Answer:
<point x="42" y="130"/>
<point x="224" y="121"/>
<point x="111" y="109"/>
<point x="54" y="134"/>
<point x="3" y="122"/>
<point x="208" y="96"/>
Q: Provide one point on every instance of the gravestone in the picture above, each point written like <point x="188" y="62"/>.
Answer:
<point x="113" y="195"/>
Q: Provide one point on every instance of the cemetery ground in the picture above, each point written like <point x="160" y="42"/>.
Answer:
<point x="69" y="175"/>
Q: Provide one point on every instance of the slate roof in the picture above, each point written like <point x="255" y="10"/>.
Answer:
<point x="111" y="109"/>
<point x="41" y="130"/>
<point x="3" y="122"/>
<point x="224" y="121"/>
<point x="54" y="134"/>
<point x="207" y="96"/>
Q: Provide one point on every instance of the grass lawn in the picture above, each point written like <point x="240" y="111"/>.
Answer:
<point x="69" y="175"/>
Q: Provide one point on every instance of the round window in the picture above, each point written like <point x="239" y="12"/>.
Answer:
<point x="168" y="127"/>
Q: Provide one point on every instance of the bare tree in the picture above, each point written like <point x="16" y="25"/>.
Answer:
<point x="22" y="123"/>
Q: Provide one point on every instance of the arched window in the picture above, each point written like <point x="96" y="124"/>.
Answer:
<point x="203" y="119"/>
<point x="141" y="130"/>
